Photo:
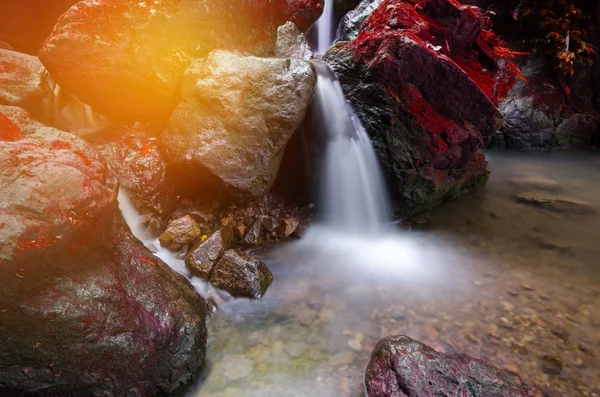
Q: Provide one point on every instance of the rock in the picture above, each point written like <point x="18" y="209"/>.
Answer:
<point x="5" y="46"/>
<point x="404" y="87"/>
<point x="538" y="183"/>
<point x="556" y="203"/>
<point x="253" y="234"/>
<point x="342" y="7"/>
<point x="203" y="256"/>
<point x="241" y="275"/>
<point x="134" y="72"/>
<point x="352" y="22"/>
<point x="21" y="81"/>
<point x="132" y="155"/>
<point x="270" y="224"/>
<point x="400" y="366"/>
<point x="112" y="320"/>
<point x="291" y="43"/>
<point x="56" y="193"/>
<point x="287" y="227"/>
<point x="180" y="232"/>
<point x="552" y="365"/>
<point x="243" y="109"/>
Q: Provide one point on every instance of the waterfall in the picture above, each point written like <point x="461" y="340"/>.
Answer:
<point x="325" y="29"/>
<point x="353" y="197"/>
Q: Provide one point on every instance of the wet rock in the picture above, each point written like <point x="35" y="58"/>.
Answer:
<point x="556" y="203"/>
<point x="203" y="256"/>
<point x="537" y="183"/>
<point x="133" y="156"/>
<point x="56" y="193"/>
<point x="291" y="43"/>
<point x="241" y="275"/>
<point x="287" y="227"/>
<point x="134" y="73"/>
<point x="552" y="365"/>
<point x="261" y="102"/>
<point x="404" y="81"/>
<point x="253" y="234"/>
<point x="401" y="366"/>
<point x="352" y="22"/>
<point x="109" y="320"/>
<point x="179" y="233"/>
<point x="21" y="81"/>
<point x="270" y="224"/>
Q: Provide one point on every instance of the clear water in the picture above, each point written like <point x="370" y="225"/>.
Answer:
<point x="489" y="277"/>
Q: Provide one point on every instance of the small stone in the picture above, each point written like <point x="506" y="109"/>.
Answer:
<point x="180" y="232"/>
<point x="509" y="307"/>
<point x="527" y="287"/>
<point x="253" y="234"/>
<point x="287" y="227"/>
<point x="552" y="365"/>
<point x="512" y="368"/>
<point x="204" y="254"/>
<point x="556" y="203"/>
<point x="270" y="224"/>
<point x="241" y="275"/>
<point x="512" y="292"/>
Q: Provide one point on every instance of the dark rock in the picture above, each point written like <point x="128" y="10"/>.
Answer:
<point x="402" y="367"/>
<point x="270" y="224"/>
<point x="254" y="233"/>
<point x="21" y="81"/>
<point x="243" y="109"/>
<point x="552" y="365"/>
<point x="132" y="154"/>
<point x="134" y="72"/>
<point x="556" y="203"/>
<point x="291" y="43"/>
<point x="342" y="7"/>
<point x="404" y="75"/>
<point x="112" y="320"/>
<point x="287" y="227"/>
<point x="202" y="257"/>
<point x="352" y="22"/>
<point x="56" y="192"/>
<point x="180" y="232"/>
<point x="241" y="275"/>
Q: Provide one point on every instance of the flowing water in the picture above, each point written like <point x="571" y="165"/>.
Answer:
<point x="325" y="29"/>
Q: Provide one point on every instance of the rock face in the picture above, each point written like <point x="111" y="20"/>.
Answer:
<point x="55" y="193"/>
<point x="291" y="43"/>
<point x="540" y="116"/>
<point x="414" y="79"/>
<point x="203" y="256"/>
<point x="402" y="367"/>
<point x="21" y="80"/>
<point x="133" y="156"/>
<point x="241" y="275"/>
<point x="235" y="118"/>
<point x="180" y="232"/>
<point x="74" y="329"/>
<point x="352" y="22"/>
<point x="134" y="71"/>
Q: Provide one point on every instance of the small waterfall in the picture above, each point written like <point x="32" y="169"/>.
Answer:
<point x="353" y="197"/>
<point x="325" y="28"/>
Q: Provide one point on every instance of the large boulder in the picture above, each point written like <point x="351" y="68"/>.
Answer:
<point x="21" y="81"/>
<point x="235" y="118"/>
<point x="402" y="367"/>
<point x="133" y="156"/>
<point x="414" y="77"/>
<point x="108" y="321"/>
<point x="127" y="58"/>
<point x="56" y="192"/>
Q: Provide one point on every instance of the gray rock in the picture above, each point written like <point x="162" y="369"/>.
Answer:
<point x="291" y="43"/>
<point x="21" y="81"/>
<point x="180" y="232"/>
<point x="235" y="118"/>
<point x="204" y="254"/>
<point x="352" y="22"/>
<point x="253" y="234"/>
<point x="556" y="203"/>
<point x="241" y="275"/>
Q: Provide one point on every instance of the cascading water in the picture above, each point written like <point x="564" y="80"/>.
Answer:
<point x="325" y="28"/>
<point x="352" y="192"/>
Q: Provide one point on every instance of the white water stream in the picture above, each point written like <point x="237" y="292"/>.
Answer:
<point x="325" y="28"/>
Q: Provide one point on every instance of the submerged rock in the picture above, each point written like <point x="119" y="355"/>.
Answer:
<point x="413" y="77"/>
<point x="112" y="320"/>
<point x="180" y="232"/>
<point x="536" y="182"/>
<point x="235" y="118"/>
<point x="291" y="43"/>
<point x="127" y="58"/>
<point x="556" y="203"/>
<point x="403" y="367"/>
<point x="56" y="192"/>
<point x="133" y="156"/>
<point x="202" y="257"/>
<point x="241" y="275"/>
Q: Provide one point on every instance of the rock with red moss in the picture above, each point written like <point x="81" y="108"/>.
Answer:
<point x="403" y="367"/>
<point x="111" y="320"/>
<point x="414" y="77"/>
<point x="133" y="156"/>
<point x="21" y="81"/>
<point x="56" y="194"/>
<point x="127" y="58"/>
<point x="235" y="119"/>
